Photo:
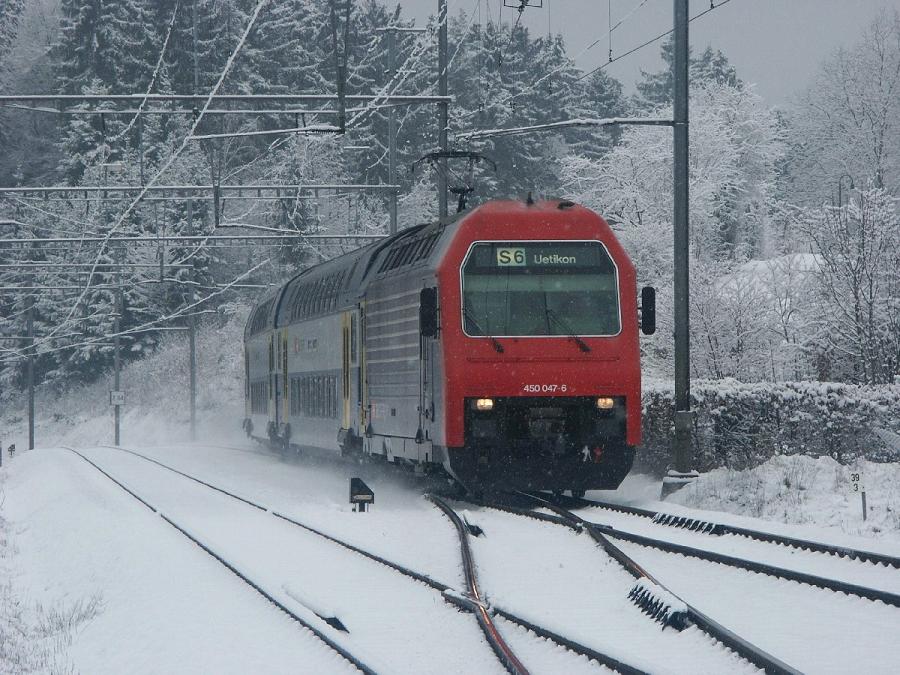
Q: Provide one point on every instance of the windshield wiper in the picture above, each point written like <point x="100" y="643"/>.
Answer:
<point x="559" y="321"/>
<point x="467" y="313"/>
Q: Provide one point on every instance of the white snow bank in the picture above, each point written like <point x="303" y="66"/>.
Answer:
<point x="792" y="495"/>
<point x="804" y="490"/>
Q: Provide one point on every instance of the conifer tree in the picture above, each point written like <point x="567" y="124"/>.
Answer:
<point x="711" y="66"/>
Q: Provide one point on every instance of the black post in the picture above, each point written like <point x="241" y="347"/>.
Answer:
<point x="192" y="328"/>
<point x="682" y="450"/>
<point x="194" y="47"/>
<point x="442" y="108"/>
<point x="117" y="358"/>
<point x="30" y="372"/>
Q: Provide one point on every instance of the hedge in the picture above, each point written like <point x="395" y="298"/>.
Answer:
<point x="740" y="425"/>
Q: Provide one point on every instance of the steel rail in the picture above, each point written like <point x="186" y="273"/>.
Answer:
<point x="509" y="660"/>
<point x="446" y="591"/>
<point x="712" y="528"/>
<point x="760" y="658"/>
<point x="350" y="658"/>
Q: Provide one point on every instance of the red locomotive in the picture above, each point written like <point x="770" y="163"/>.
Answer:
<point x="501" y="346"/>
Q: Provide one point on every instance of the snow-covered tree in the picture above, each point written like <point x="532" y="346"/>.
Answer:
<point x="848" y="122"/>
<point x="735" y="145"/>
<point x="711" y="67"/>
<point x="858" y="245"/>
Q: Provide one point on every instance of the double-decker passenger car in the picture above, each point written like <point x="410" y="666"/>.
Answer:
<point x="501" y="346"/>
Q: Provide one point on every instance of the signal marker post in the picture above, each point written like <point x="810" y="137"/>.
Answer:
<point x="858" y="486"/>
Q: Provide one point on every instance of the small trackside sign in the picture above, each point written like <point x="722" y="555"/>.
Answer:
<point x="510" y="257"/>
<point x="116" y="397"/>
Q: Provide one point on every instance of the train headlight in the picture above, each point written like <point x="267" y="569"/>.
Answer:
<point x="484" y="404"/>
<point x="606" y="403"/>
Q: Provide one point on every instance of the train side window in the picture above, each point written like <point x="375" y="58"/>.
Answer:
<point x="429" y="245"/>
<point x="386" y="265"/>
<point x="403" y="258"/>
<point x="331" y="401"/>
<point x="247" y="372"/>
<point x="318" y="396"/>
<point x="420" y="247"/>
<point x="320" y="294"/>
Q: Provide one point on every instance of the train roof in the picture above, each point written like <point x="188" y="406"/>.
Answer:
<point x="342" y="280"/>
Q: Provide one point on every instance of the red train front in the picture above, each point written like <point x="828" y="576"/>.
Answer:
<point x="539" y="344"/>
<point x="501" y="346"/>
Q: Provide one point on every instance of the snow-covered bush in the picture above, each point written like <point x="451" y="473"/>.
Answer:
<point x="740" y="425"/>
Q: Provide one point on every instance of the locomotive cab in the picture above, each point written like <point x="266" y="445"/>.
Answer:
<point x="543" y="390"/>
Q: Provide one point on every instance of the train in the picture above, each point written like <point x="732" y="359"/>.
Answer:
<point x="500" y="347"/>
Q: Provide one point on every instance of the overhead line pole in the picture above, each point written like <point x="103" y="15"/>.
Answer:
<point x="392" y="131"/>
<point x="391" y="35"/>
<point x="117" y="358"/>
<point x="191" y="319"/>
<point x="682" y="450"/>
<point x="30" y="371"/>
<point x="443" y="109"/>
<point x="192" y="333"/>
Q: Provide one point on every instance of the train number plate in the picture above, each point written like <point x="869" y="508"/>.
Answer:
<point x="545" y="388"/>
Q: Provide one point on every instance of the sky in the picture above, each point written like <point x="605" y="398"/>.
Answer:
<point x="777" y="45"/>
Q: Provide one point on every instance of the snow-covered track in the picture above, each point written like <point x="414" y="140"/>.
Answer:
<point x="473" y="595"/>
<point x="756" y="566"/>
<point x="713" y="528"/>
<point x="350" y="658"/>
<point x="445" y="590"/>
<point x="744" y="648"/>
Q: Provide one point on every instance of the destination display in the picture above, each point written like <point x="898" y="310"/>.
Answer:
<point x="526" y="256"/>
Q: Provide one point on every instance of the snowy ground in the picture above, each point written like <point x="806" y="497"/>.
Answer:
<point x="97" y="583"/>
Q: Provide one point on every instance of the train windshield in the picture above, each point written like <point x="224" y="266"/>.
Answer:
<point x="540" y="288"/>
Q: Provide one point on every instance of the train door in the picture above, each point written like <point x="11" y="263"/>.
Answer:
<point x="273" y="385"/>
<point x="285" y="401"/>
<point x="346" y="340"/>
<point x="362" y="386"/>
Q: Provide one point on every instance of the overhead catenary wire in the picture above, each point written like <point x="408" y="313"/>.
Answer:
<point x="182" y="311"/>
<point x="631" y="51"/>
<point x="562" y="67"/>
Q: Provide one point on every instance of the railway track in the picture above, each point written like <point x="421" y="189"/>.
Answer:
<point x="836" y="585"/>
<point x="660" y="603"/>
<point x="719" y="529"/>
<point x="470" y="601"/>
<point x="349" y="657"/>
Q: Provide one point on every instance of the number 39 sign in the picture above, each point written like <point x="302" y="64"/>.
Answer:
<point x="857" y="484"/>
